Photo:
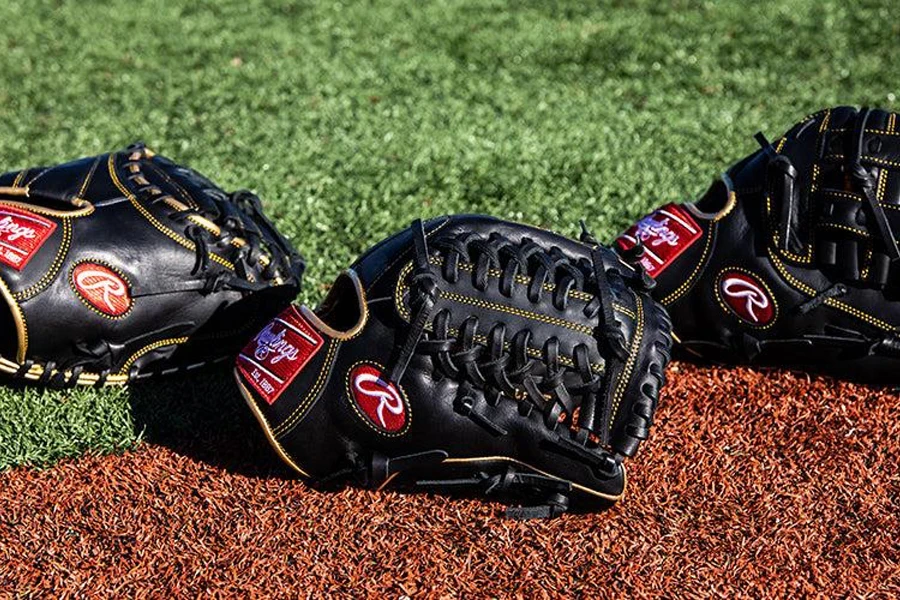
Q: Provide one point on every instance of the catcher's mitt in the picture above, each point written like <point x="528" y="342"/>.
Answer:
<point x="467" y="354"/>
<point x="126" y="265"/>
<point x="791" y="258"/>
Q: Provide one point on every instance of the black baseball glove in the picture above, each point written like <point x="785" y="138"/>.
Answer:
<point x="791" y="258"/>
<point x="468" y="354"/>
<point x="125" y="265"/>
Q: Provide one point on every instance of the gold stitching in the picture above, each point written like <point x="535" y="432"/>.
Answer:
<point x="53" y="271"/>
<point x="267" y="429"/>
<point x="148" y="348"/>
<point x="832" y="302"/>
<point x="517" y="312"/>
<point x="688" y="283"/>
<point x="153" y="221"/>
<point x="627" y="372"/>
<point x="299" y="412"/>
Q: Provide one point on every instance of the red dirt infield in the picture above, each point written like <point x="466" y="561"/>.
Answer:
<point x="753" y="484"/>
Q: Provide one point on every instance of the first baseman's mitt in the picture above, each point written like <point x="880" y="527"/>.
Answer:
<point x="791" y="258"/>
<point x="125" y="265"/>
<point x="468" y="354"/>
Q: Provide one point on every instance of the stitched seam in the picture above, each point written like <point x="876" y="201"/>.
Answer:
<point x="684" y="287"/>
<point x="88" y="177"/>
<point x="53" y="271"/>
<point x="300" y="411"/>
<point x="780" y="145"/>
<point x="875" y="131"/>
<point x="189" y="200"/>
<point x="872" y="159"/>
<point x="861" y="232"/>
<point x="859" y="198"/>
<point x="38" y="176"/>
<point x="364" y="418"/>
<point x="149" y="348"/>
<point x="401" y="287"/>
<point x="153" y="221"/>
<point x="47" y="212"/>
<point x="628" y="371"/>
<point x="515" y="311"/>
<point x="482" y="339"/>
<point x="727" y="309"/>
<point x="809" y="291"/>
<point x="17" y="182"/>
<point x="530" y="350"/>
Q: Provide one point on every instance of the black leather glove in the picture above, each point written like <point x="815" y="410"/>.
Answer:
<point x="467" y="354"/>
<point x="790" y="259"/>
<point x="126" y="265"/>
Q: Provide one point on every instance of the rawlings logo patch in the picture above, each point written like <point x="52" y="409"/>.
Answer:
<point x="746" y="297"/>
<point x="272" y="359"/>
<point x="665" y="233"/>
<point x="102" y="288"/>
<point x="380" y="400"/>
<point x="21" y="235"/>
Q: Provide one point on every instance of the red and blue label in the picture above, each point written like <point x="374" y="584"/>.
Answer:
<point x="665" y="234"/>
<point x="274" y="358"/>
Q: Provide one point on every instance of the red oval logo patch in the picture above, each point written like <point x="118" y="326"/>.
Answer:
<point x="380" y="400"/>
<point x="102" y="288"/>
<point x="747" y="297"/>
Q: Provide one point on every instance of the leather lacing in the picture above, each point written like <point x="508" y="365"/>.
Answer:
<point x="851" y="341"/>
<point x="867" y="182"/>
<point x="256" y="261"/>
<point x="578" y="415"/>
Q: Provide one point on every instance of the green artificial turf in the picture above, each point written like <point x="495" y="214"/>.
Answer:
<point x="349" y="119"/>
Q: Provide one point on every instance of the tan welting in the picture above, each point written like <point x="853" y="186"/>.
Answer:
<point x="362" y="306"/>
<point x="248" y="398"/>
<point x="730" y="203"/>
<point x="82" y="207"/>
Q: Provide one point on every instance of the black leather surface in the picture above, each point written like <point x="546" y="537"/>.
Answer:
<point x="133" y="231"/>
<point x="817" y="251"/>
<point x="320" y="428"/>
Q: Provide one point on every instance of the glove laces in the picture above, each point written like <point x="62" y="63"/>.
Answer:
<point x="506" y="365"/>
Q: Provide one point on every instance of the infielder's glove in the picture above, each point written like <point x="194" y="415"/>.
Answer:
<point x="467" y="354"/>
<point x="127" y="265"/>
<point x="791" y="258"/>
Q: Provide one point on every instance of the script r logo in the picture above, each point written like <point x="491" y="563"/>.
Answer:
<point x="102" y="288"/>
<point x="381" y="401"/>
<point x="747" y="297"/>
